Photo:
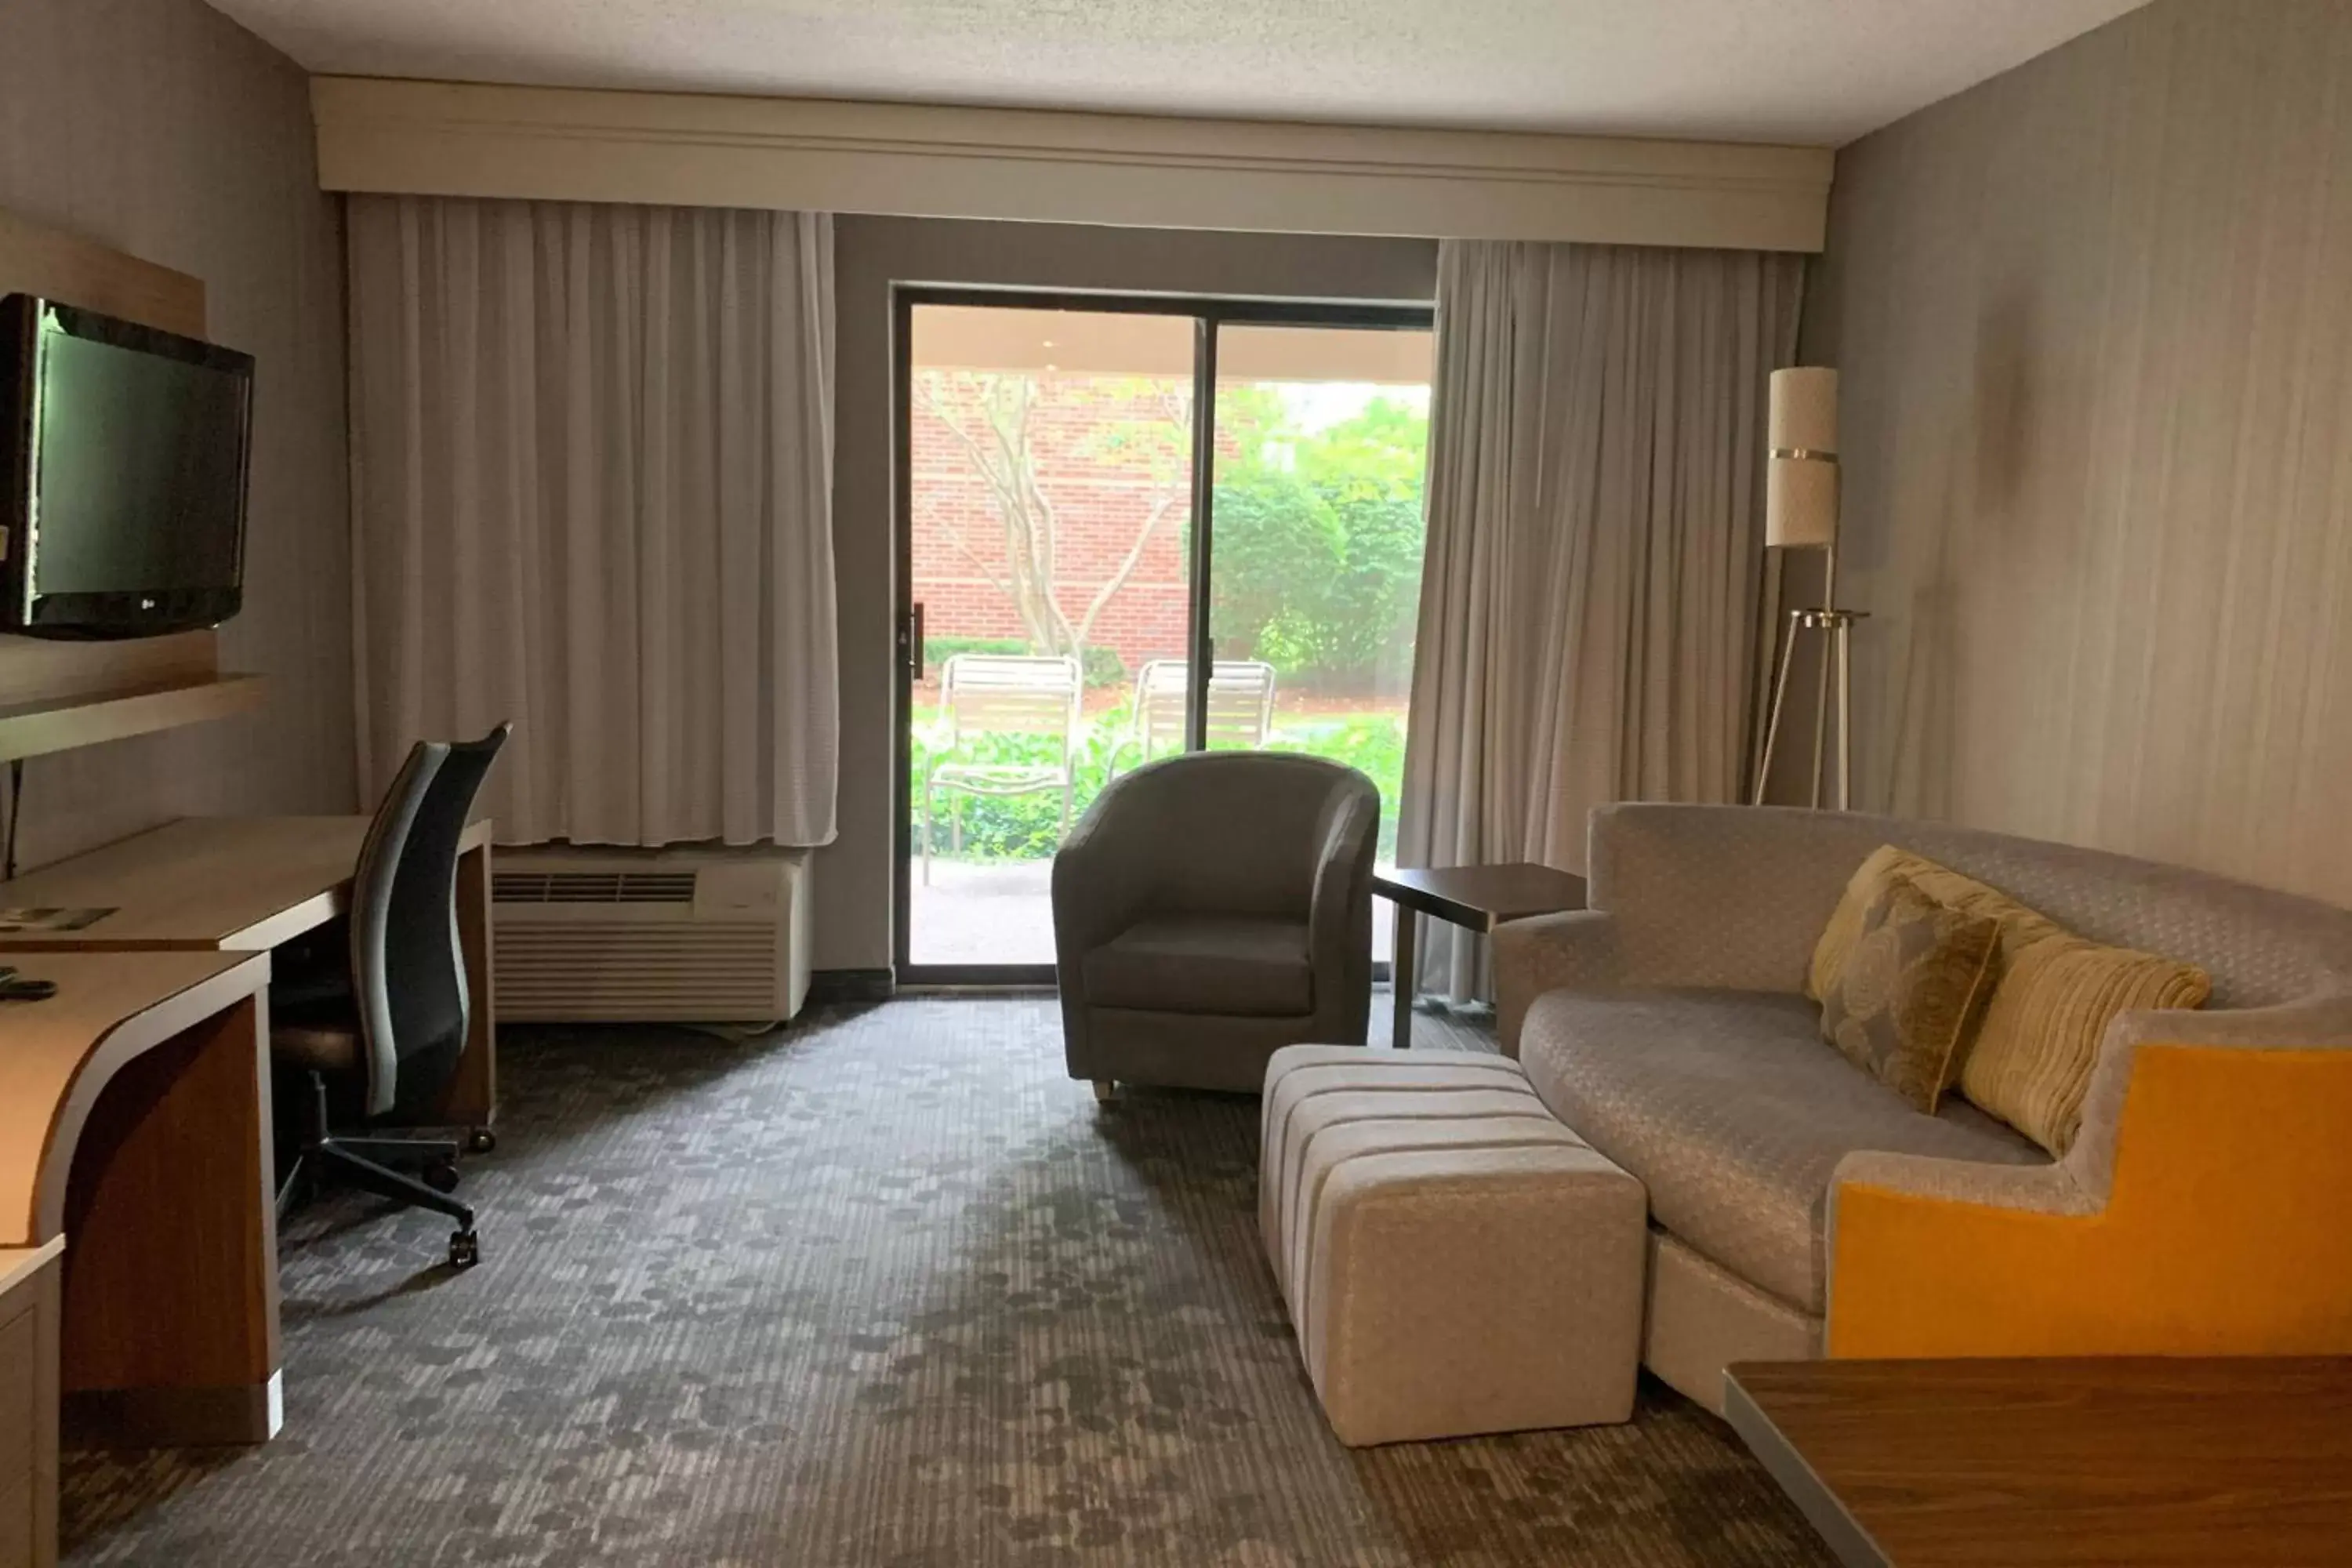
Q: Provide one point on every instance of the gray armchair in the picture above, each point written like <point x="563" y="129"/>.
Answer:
<point x="1211" y="909"/>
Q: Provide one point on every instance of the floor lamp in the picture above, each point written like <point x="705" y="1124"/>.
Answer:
<point x="1800" y="512"/>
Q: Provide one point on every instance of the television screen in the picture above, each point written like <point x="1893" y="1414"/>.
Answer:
<point x="125" y="498"/>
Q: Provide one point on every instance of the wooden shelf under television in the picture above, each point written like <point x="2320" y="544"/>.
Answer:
<point x="90" y="717"/>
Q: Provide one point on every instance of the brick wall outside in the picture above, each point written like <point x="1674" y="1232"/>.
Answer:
<point x="1107" y="454"/>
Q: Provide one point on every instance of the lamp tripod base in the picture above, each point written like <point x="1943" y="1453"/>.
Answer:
<point x="1836" y="627"/>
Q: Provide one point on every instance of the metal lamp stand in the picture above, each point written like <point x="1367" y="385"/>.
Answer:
<point x="1838" y="656"/>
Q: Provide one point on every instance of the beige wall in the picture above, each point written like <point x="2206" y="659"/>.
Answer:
<point x="162" y="129"/>
<point x="853" y="885"/>
<point x="2095" y="323"/>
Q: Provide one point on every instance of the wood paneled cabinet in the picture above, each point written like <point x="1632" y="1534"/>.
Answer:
<point x="28" y="1406"/>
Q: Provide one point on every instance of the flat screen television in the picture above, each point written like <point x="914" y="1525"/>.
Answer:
<point x="123" y="455"/>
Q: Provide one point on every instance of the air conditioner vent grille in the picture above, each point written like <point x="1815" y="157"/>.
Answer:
<point x="694" y="936"/>
<point x="592" y="888"/>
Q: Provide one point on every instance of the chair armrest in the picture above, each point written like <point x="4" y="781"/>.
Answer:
<point x="1576" y="951"/>
<point x="2209" y="1222"/>
<point x="1094" y="900"/>
<point x="1340" y="917"/>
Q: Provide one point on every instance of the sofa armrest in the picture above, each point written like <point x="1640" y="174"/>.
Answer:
<point x="2206" y="1222"/>
<point x="1576" y="950"/>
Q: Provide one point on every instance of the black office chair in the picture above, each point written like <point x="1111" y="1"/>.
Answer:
<point x="387" y="1033"/>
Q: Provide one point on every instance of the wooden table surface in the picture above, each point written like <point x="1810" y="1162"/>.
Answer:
<point x="1483" y="897"/>
<point x="243" y="883"/>
<point x="108" y="1005"/>
<point x="2220" y="1463"/>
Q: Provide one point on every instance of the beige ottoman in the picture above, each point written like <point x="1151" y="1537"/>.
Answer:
<point x="1455" y="1260"/>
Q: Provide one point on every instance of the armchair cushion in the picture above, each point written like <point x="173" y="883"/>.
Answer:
<point x="1232" y="966"/>
<point x="1728" y="1108"/>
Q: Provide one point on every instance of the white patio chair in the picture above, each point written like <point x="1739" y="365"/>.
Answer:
<point x="1003" y="694"/>
<point x="1241" y="708"/>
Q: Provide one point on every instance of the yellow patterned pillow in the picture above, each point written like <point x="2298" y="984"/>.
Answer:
<point x="1910" y="992"/>
<point x="2019" y="927"/>
<point x="2032" y="1058"/>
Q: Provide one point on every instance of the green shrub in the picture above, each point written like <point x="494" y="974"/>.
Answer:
<point x="1101" y="666"/>
<point x="1010" y="827"/>
<point x="938" y="650"/>
<point x="1318" y="540"/>
<point x="1029" y="826"/>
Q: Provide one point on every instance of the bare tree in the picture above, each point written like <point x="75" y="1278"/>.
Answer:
<point x="994" y="421"/>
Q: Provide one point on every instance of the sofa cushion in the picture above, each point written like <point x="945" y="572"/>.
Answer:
<point x="1732" y="1112"/>
<point x="1227" y="966"/>
<point x="1910" y="992"/>
<point x="2033" y="1061"/>
<point x="2021" y="927"/>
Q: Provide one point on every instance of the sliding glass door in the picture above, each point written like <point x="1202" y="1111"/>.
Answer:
<point x="1128" y="529"/>
<point x="1314" y="573"/>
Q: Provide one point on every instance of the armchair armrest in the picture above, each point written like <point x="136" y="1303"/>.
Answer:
<point x="1339" y="915"/>
<point x="1577" y="950"/>
<point x="1097" y="890"/>
<point x="2205" y="1218"/>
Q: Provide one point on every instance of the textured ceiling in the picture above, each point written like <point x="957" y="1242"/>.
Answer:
<point x="1812" y="71"/>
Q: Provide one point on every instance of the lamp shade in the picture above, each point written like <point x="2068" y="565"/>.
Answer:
<point x="1804" y="410"/>
<point x="1800" y="484"/>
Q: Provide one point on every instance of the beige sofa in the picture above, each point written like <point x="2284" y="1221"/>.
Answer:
<point x="1798" y="1206"/>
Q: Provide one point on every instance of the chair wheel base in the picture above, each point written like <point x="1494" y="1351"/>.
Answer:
<point x="464" y="1248"/>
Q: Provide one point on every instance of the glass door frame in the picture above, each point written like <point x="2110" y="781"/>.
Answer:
<point x="1207" y="312"/>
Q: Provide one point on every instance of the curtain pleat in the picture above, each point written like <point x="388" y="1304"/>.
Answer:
<point x="592" y="492"/>
<point x="1592" y="591"/>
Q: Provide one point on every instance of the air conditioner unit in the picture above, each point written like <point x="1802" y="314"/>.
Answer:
<point x="696" y="935"/>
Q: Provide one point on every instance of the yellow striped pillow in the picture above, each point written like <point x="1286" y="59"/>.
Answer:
<point x="2032" y="1058"/>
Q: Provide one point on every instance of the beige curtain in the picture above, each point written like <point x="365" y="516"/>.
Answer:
<point x="1590" y="600"/>
<point x="592" y="479"/>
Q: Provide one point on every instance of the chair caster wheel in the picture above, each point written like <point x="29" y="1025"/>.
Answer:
<point x="481" y="1141"/>
<point x="440" y="1175"/>
<point x="464" y="1248"/>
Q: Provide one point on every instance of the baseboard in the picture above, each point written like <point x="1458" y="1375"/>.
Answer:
<point x="829" y="987"/>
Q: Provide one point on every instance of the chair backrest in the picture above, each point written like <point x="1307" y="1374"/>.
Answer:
<point x="1160" y="706"/>
<point x="1241" y="705"/>
<point x="408" y="970"/>
<point x="1229" y="833"/>
<point x="1011" y="694"/>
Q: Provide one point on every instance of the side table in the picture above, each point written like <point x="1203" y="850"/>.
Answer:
<point x="1477" y="898"/>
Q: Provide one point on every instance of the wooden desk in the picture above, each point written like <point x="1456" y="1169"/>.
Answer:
<point x="2053" y="1464"/>
<point x="1478" y="898"/>
<point x="134" y="1122"/>
<point x="246" y="884"/>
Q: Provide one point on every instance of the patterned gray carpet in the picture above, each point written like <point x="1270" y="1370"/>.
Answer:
<point x="885" y="1291"/>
